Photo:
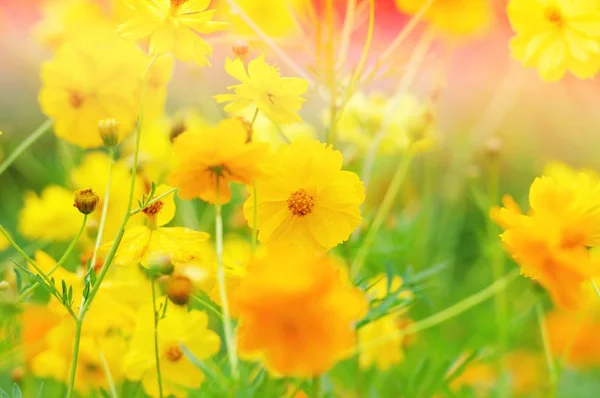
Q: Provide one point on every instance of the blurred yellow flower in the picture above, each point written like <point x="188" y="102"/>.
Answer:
<point x="50" y="216"/>
<point x="305" y="199"/>
<point x="453" y="17"/>
<point x="88" y="81"/>
<point x="3" y="243"/>
<point x="210" y="158"/>
<point x="178" y="328"/>
<point x="159" y="75"/>
<point x="299" y="317"/>
<point x="551" y="242"/>
<point x="262" y="87"/>
<point x="557" y="36"/>
<point x="142" y="244"/>
<point x="173" y="27"/>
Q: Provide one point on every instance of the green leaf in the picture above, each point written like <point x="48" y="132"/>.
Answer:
<point x="65" y="294"/>
<point x="16" y="391"/>
<point x="3" y="394"/>
<point x="39" y="394"/>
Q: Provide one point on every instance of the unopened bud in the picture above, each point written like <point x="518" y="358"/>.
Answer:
<point x="85" y="200"/>
<point x="241" y="49"/>
<point x="493" y="146"/>
<point x="4" y="286"/>
<point x="109" y="132"/>
<point x="17" y="374"/>
<point x="160" y="265"/>
<point x="179" y="289"/>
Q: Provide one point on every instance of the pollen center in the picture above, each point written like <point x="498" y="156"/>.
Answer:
<point x="554" y="15"/>
<point x="177" y="3"/>
<point x="76" y="99"/>
<point x="153" y="209"/>
<point x="173" y="353"/>
<point x="300" y="203"/>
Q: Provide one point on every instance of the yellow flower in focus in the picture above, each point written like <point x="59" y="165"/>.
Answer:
<point x="299" y="317"/>
<point x="178" y="328"/>
<point x="557" y="36"/>
<point x="173" y="27"/>
<point x="390" y="353"/>
<point x="50" y="216"/>
<point x="210" y="158"/>
<point x="88" y="81"/>
<point x="93" y="172"/>
<point x="453" y="17"/>
<point x="551" y="242"/>
<point x="305" y="199"/>
<point x="142" y="244"/>
<point x="262" y="87"/>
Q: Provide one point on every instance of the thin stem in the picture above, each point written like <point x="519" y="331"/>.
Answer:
<point x="595" y="288"/>
<point x="156" y="355"/>
<point x="33" y="137"/>
<point x="109" y="378"/>
<point x="346" y="32"/>
<point x="208" y="306"/>
<point x="154" y="200"/>
<point x="86" y="303"/>
<point x="254" y="118"/>
<point x="367" y="46"/>
<point x="62" y="260"/>
<point x="228" y="330"/>
<point x="316" y="387"/>
<point x="552" y="373"/>
<point x="449" y="313"/>
<point x="78" y="326"/>
<point x="384" y="208"/>
<point x="111" y="161"/>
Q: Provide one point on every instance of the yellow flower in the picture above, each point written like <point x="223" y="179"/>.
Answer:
<point x="383" y="356"/>
<point x="178" y="328"/>
<point x="263" y="87"/>
<point x="305" y="199"/>
<point x="173" y="26"/>
<point x="50" y="216"/>
<point x="551" y="243"/>
<point x="557" y="36"/>
<point x="159" y="75"/>
<point x="210" y="158"/>
<point x="454" y="17"/>
<point x="93" y="172"/>
<point x="3" y="243"/>
<point x="88" y="81"/>
<point x="141" y="244"/>
<point x="299" y="317"/>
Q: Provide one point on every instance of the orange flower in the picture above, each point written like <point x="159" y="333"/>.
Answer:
<point x="551" y="242"/>
<point x="211" y="157"/>
<point x="296" y="312"/>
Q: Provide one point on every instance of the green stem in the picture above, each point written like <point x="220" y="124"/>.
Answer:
<point x="109" y="378"/>
<point x="228" y="330"/>
<point x="156" y="354"/>
<point x="449" y="313"/>
<point x="62" y="259"/>
<point x="106" y="200"/>
<point x="552" y="373"/>
<point x="316" y="387"/>
<point x="595" y="288"/>
<point x="384" y="208"/>
<point x="254" y="118"/>
<point x="208" y="306"/>
<point x="86" y="303"/>
<point x="33" y="137"/>
<point x="78" y="326"/>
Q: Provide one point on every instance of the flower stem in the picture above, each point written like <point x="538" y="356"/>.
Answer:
<point x="552" y="373"/>
<point x="78" y="326"/>
<point x="86" y="303"/>
<point x="109" y="378"/>
<point x="384" y="208"/>
<point x="111" y="161"/>
<point x="33" y="137"/>
<point x="595" y="288"/>
<point x="316" y="387"/>
<point x="156" y="356"/>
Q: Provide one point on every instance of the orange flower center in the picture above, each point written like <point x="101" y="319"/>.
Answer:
<point x="177" y="3"/>
<point x="300" y="203"/>
<point x="555" y="16"/>
<point x="76" y="99"/>
<point x="153" y="209"/>
<point x="173" y="353"/>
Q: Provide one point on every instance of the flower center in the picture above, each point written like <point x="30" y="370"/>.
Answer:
<point x="173" y="353"/>
<point x="177" y="3"/>
<point x="300" y="203"/>
<point x="153" y="209"/>
<point x="76" y="99"/>
<point x="555" y="16"/>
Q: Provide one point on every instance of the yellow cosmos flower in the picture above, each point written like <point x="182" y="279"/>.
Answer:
<point x="383" y="356"/>
<point x="551" y="242"/>
<point x="557" y="36"/>
<point x="305" y="199"/>
<point x="93" y="172"/>
<point x="262" y="87"/>
<point x="173" y="26"/>
<point x="141" y="244"/>
<point x="297" y="318"/>
<point x="453" y="17"/>
<point x="89" y="81"/>
<point x="210" y="158"/>
<point x="50" y="216"/>
<point x="178" y="328"/>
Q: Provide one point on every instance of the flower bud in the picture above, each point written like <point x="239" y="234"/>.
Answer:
<point x="179" y="289"/>
<point x="85" y="200"/>
<point x="493" y="146"/>
<point x="4" y="286"/>
<point x="241" y="49"/>
<point x="17" y="374"/>
<point x="109" y="132"/>
<point x="160" y="264"/>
